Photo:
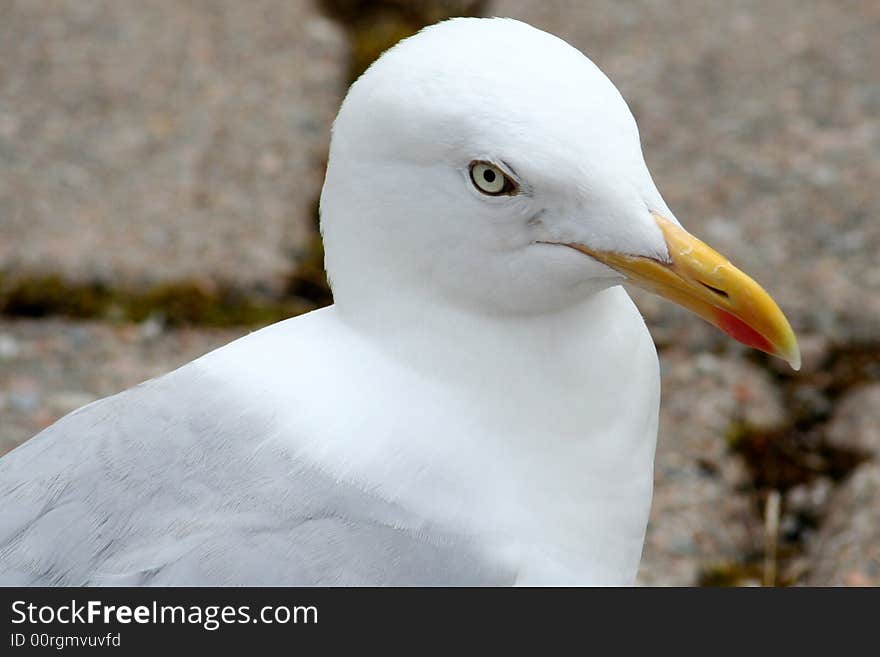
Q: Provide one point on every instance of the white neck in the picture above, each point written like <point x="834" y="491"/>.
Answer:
<point x="468" y="345"/>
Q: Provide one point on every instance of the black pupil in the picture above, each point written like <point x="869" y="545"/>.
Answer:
<point x="489" y="175"/>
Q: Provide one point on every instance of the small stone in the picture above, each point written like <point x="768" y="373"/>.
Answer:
<point x="809" y="403"/>
<point x="856" y="422"/>
<point x="846" y="550"/>
<point x="9" y="126"/>
<point x="25" y="401"/>
<point x="270" y="163"/>
<point x="152" y="327"/>
<point x="706" y="363"/>
<point x="9" y="347"/>
<point x="809" y="498"/>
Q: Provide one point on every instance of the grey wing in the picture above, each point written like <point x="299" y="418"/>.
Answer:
<point x="173" y="483"/>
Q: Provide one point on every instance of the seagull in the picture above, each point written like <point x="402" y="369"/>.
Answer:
<point x="479" y="406"/>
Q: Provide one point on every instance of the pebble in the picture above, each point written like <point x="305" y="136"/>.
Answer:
<point x="9" y="348"/>
<point x="855" y="425"/>
<point x="846" y="551"/>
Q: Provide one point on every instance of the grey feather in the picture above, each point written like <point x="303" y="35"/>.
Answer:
<point x="172" y="483"/>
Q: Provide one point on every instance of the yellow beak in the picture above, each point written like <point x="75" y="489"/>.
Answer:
<point x="703" y="281"/>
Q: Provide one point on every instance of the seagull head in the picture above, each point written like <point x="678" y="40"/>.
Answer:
<point x="486" y="164"/>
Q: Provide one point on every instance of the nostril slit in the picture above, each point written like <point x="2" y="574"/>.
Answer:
<point x="720" y="293"/>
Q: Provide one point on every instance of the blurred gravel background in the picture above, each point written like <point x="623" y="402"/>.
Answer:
<point x="183" y="143"/>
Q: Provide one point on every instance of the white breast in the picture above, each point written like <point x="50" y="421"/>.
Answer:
<point x="547" y="463"/>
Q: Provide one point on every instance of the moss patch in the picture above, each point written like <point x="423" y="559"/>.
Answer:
<point x="730" y="573"/>
<point x="783" y="458"/>
<point x="309" y="280"/>
<point x="177" y="304"/>
<point x="373" y="26"/>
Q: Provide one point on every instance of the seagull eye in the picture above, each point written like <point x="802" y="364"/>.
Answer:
<point x="491" y="180"/>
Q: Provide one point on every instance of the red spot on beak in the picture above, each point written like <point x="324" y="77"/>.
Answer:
<point x="742" y="332"/>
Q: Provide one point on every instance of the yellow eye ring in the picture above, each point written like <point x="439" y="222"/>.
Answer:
<point x="491" y="180"/>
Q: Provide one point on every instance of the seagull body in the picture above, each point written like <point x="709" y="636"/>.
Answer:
<point x="479" y="405"/>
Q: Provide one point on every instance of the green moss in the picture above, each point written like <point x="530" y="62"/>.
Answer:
<point x="749" y="572"/>
<point x="371" y="38"/>
<point x="373" y="26"/>
<point x="730" y="573"/>
<point x="850" y="365"/>
<point x="309" y="279"/>
<point x="51" y="295"/>
<point x="793" y="454"/>
<point x="183" y="303"/>
<point x="736" y="433"/>
<point x="178" y="303"/>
